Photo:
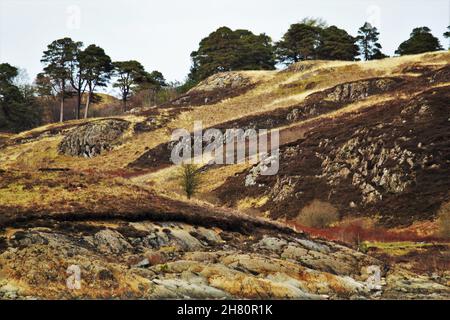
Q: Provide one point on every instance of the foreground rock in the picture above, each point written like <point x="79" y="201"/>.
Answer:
<point x="152" y="260"/>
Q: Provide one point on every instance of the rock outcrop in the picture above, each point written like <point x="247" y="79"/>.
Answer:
<point x="93" y="138"/>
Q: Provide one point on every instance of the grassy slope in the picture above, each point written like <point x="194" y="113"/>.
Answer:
<point x="274" y="90"/>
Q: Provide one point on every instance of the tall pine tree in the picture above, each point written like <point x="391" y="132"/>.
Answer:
<point x="97" y="68"/>
<point x="129" y="74"/>
<point x="58" y="60"/>
<point x="367" y="40"/>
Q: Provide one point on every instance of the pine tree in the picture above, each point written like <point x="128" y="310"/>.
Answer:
<point x="97" y="68"/>
<point x="58" y="60"/>
<point x="228" y="50"/>
<point x="367" y="40"/>
<point x="190" y="179"/>
<point x="18" y="109"/>
<point x="337" y="44"/>
<point x="447" y="34"/>
<point x="300" y="42"/>
<point x="129" y="74"/>
<point x="77" y="79"/>
<point x="314" y="40"/>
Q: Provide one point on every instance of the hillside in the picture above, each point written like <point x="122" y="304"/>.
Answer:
<point x="371" y="139"/>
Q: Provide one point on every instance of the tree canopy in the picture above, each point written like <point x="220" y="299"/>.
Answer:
<point x="421" y="40"/>
<point x="152" y="81"/>
<point x="447" y="34"/>
<point x="313" y="40"/>
<point x="228" y="50"/>
<point x="300" y="42"/>
<point x="129" y="74"/>
<point x="337" y="44"/>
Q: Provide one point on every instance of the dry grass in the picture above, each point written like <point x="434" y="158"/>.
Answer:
<point x="399" y="248"/>
<point x="4" y="135"/>
<point x="215" y="177"/>
<point x="252" y="206"/>
<point x="65" y="191"/>
<point x="273" y="90"/>
<point x="395" y="66"/>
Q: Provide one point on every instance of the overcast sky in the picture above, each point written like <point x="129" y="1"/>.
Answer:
<point x="162" y="34"/>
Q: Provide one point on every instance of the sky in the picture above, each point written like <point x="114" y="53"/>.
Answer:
<point x="162" y="34"/>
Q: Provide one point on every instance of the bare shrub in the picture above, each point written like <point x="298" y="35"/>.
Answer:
<point x="318" y="214"/>
<point x="444" y="220"/>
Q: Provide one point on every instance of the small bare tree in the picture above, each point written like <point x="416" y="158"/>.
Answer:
<point x="190" y="179"/>
<point x="318" y="214"/>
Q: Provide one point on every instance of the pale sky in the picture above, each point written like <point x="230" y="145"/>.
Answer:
<point x="162" y="34"/>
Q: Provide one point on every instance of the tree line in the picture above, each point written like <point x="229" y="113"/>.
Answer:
<point x="310" y="39"/>
<point x="72" y="71"/>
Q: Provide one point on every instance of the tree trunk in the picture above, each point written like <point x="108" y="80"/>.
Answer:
<point x="124" y="104"/>
<point x="88" y="101"/>
<point x="61" y="111"/>
<point x="79" y="104"/>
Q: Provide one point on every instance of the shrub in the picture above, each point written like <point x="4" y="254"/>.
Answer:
<point x="190" y="179"/>
<point x="318" y="214"/>
<point x="444" y="220"/>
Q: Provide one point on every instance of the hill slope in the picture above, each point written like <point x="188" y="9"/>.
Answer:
<point x="371" y="139"/>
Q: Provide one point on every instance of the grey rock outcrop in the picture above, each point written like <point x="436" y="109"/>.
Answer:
<point x="91" y="139"/>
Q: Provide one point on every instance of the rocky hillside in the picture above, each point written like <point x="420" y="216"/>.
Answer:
<point x="392" y="158"/>
<point x="100" y="195"/>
